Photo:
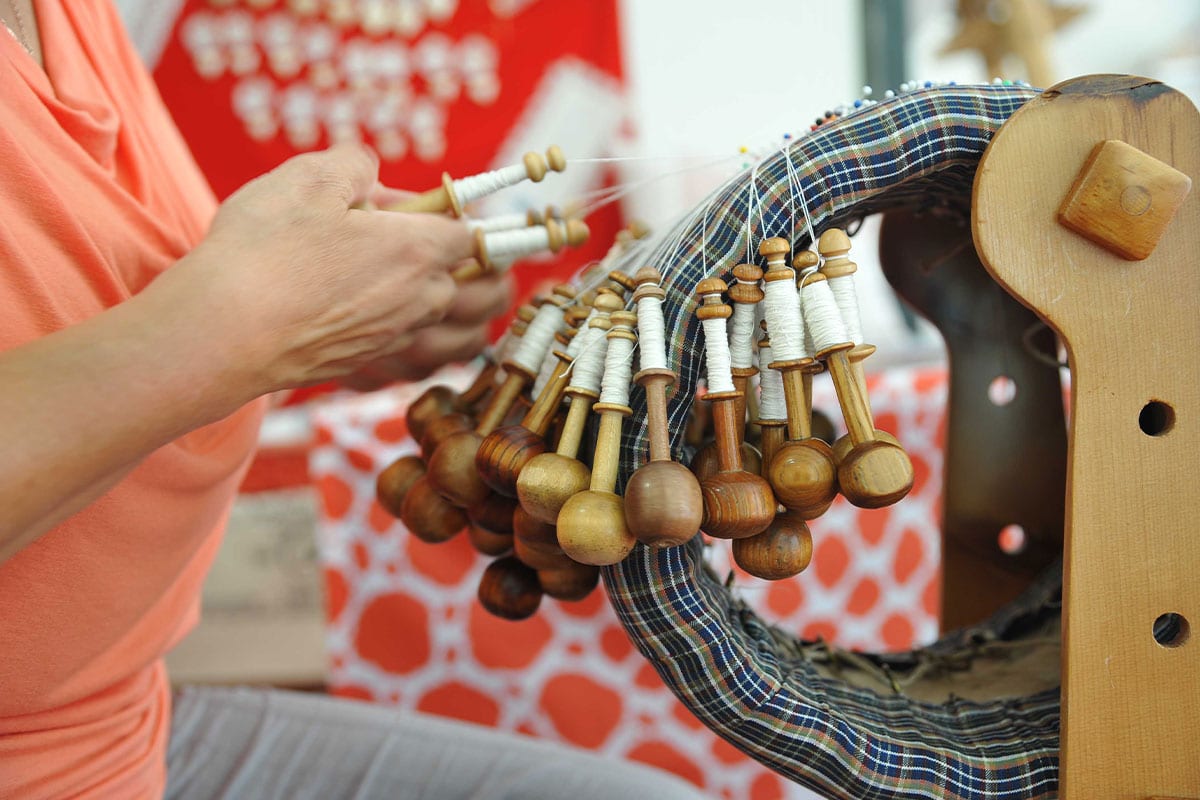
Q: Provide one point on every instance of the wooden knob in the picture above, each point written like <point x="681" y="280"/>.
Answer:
<point x="775" y="251"/>
<point x="533" y="533"/>
<point x="428" y="515"/>
<point x="663" y="504"/>
<point x="746" y="290"/>
<point x="452" y="471"/>
<point x="441" y="429"/>
<point x="489" y="543"/>
<point x="572" y="232"/>
<point x="834" y="245"/>
<point x="804" y="260"/>
<point x="875" y="474"/>
<point x="736" y="503"/>
<point x="535" y="558"/>
<point x="555" y="158"/>
<point x="804" y="474"/>
<point x="547" y="481"/>
<point x="570" y="584"/>
<point x="394" y="482"/>
<point x="509" y="589"/>
<point x="434" y="402"/>
<point x="592" y="529"/>
<point x="707" y="463"/>
<point x="494" y="514"/>
<point x="504" y="453"/>
<point x="784" y="549"/>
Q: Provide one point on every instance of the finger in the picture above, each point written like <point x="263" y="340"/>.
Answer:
<point x="444" y="241"/>
<point x="433" y="348"/>
<point x="341" y="176"/>
<point x="481" y="299"/>
<point x="384" y="196"/>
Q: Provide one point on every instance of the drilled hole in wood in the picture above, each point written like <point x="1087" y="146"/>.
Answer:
<point x="1011" y="539"/>
<point x="1002" y="390"/>
<point x="1156" y="418"/>
<point x="1171" y="630"/>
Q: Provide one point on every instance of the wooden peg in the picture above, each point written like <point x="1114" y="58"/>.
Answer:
<point x="663" y="503"/>
<point x="434" y="402"/>
<point x="591" y="525"/>
<point x="428" y="515"/>
<point x="548" y="480"/>
<point x="737" y="503"/>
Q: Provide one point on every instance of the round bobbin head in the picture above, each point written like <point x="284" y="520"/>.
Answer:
<point x="592" y="529"/>
<point x="441" y="429"/>
<point x="623" y="321"/>
<point x="393" y="483"/>
<point x="489" y="543"/>
<point x="494" y="514"/>
<point x="663" y="504"/>
<point x="548" y="481"/>
<point x="434" y="402"/>
<point x="452" y="470"/>
<point x="535" y="166"/>
<point x="784" y="549"/>
<point x="804" y="476"/>
<point x="736" y="505"/>
<point x="535" y="534"/>
<point x="572" y="583"/>
<point x="709" y="291"/>
<point x="834" y="247"/>
<point x="555" y="158"/>
<point x="607" y="301"/>
<point x="509" y="589"/>
<point x="875" y="474"/>
<point x="577" y="232"/>
<point x="502" y="455"/>
<point x="428" y="515"/>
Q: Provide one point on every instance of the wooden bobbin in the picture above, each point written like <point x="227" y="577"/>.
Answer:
<point x="745" y="292"/>
<point x="663" y="503"/>
<point x="452" y="467"/>
<point x="445" y="198"/>
<point x="591" y="525"/>
<point x="504" y="453"/>
<point x="737" y="503"/>
<point x="548" y="480"/>
<point x="393" y="483"/>
<point x="560" y="234"/>
<point x="428" y="515"/>
<point x="875" y="472"/>
<point x="834" y="247"/>
<point x="785" y="548"/>
<point x="802" y="472"/>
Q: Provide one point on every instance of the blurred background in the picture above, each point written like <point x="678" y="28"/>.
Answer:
<point x="656" y="102"/>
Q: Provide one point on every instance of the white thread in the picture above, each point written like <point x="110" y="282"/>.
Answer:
<point x="538" y="338"/>
<point x="783" y="319"/>
<point x="772" y="404"/>
<point x="474" y="187"/>
<point x="575" y="346"/>
<point x="503" y="222"/>
<point x="546" y="372"/>
<point x="846" y="297"/>
<point x="716" y="348"/>
<point x="589" y="364"/>
<point x="741" y="333"/>
<point x="822" y="317"/>
<point x="614" y="387"/>
<point x="652" y="344"/>
<point x="503" y="245"/>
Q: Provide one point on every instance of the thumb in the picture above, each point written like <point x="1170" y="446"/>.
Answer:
<point x="345" y="174"/>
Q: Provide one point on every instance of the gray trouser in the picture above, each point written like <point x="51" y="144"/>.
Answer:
<point x="259" y="743"/>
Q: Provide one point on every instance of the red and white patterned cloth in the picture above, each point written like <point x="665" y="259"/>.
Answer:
<point x="405" y="627"/>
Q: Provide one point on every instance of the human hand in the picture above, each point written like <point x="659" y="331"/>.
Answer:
<point x="302" y="288"/>
<point x="460" y="336"/>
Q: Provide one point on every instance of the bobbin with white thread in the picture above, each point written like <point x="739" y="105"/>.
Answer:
<point x="663" y="503"/>
<point x="591" y="525"/>
<point x="453" y="194"/>
<point x="505" y="222"/>
<point x="874" y="472"/>
<point x="452" y="467"/>
<point x="550" y="479"/>
<point x="802" y="471"/>
<point x="504" y="452"/>
<point x="784" y="549"/>
<point x="745" y="294"/>
<point x="737" y="503"/>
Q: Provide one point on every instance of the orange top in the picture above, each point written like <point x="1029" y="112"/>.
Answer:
<point x="98" y="194"/>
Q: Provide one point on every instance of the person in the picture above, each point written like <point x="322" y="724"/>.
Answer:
<point x="141" y="332"/>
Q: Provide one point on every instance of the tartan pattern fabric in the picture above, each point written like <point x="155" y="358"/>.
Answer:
<point x="743" y="679"/>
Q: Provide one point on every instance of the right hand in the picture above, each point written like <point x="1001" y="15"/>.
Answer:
<point x="311" y="289"/>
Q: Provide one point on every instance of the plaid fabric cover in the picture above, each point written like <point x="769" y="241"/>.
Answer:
<point x="740" y="677"/>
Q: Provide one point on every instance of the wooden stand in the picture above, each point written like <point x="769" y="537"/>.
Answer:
<point x="1131" y="604"/>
